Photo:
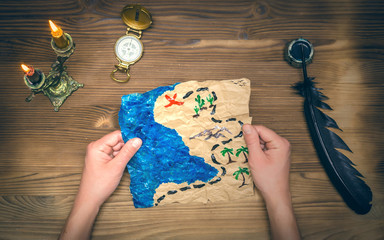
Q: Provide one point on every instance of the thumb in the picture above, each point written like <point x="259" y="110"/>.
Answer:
<point x="252" y="139"/>
<point x="128" y="150"/>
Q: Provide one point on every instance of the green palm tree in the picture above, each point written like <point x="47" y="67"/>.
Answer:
<point x="243" y="150"/>
<point x="241" y="171"/>
<point x="228" y="151"/>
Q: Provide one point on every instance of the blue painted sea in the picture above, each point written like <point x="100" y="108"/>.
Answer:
<point x="163" y="157"/>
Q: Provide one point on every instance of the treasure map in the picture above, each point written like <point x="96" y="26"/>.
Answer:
<point x="193" y="147"/>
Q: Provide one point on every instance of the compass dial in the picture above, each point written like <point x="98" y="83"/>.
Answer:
<point x="129" y="49"/>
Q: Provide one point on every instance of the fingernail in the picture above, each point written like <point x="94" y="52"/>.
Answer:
<point x="247" y="128"/>
<point x="136" y="142"/>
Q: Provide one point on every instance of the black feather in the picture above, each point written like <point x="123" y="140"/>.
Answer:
<point x="347" y="180"/>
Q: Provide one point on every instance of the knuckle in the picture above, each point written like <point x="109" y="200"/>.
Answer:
<point x="284" y="142"/>
<point x="90" y="146"/>
<point x="287" y="144"/>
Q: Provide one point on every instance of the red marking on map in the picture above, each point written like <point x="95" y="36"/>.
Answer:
<point x="172" y="101"/>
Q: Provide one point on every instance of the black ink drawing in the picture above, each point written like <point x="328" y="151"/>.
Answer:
<point x="208" y="133"/>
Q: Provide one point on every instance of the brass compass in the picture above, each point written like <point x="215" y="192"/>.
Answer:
<point x="129" y="48"/>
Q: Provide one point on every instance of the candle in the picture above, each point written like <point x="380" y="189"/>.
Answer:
<point x="33" y="76"/>
<point x="58" y="36"/>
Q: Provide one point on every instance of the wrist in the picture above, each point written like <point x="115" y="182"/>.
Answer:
<point x="84" y="209"/>
<point x="87" y="201"/>
<point x="278" y="196"/>
<point x="281" y="216"/>
<point x="80" y="220"/>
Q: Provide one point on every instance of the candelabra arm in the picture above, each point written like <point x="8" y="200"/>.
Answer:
<point x="30" y="97"/>
<point x="59" y="84"/>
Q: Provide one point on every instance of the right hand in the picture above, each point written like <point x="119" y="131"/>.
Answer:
<point x="269" y="160"/>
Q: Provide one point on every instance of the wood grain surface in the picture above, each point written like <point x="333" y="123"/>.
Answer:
<point x="42" y="151"/>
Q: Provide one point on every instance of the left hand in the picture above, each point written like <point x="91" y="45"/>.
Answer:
<point x="104" y="166"/>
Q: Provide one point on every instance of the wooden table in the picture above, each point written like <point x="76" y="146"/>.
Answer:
<point x="42" y="151"/>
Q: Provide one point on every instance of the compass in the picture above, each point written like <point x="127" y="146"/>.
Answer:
<point x="129" y="48"/>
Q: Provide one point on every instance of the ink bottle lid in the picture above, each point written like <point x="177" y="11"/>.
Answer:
<point x="294" y="51"/>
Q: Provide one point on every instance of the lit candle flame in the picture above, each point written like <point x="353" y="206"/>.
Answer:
<point x="56" y="31"/>
<point x="58" y="36"/>
<point x="53" y="26"/>
<point x="25" y="68"/>
<point x="29" y="70"/>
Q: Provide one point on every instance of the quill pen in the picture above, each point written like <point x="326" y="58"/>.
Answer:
<point x="347" y="180"/>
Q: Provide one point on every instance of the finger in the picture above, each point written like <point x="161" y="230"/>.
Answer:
<point x="118" y="146"/>
<point x="112" y="139"/>
<point x="127" y="152"/>
<point x="251" y="138"/>
<point x="106" y="143"/>
<point x="115" y="153"/>
<point x="262" y="146"/>
<point x="271" y="139"/>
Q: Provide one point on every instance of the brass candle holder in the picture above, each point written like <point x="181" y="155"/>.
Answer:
<point x="58" y="85"/>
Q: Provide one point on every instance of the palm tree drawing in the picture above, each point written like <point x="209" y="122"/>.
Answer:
<point x="243" y="150"/>
<point x="241" y="171"/>
<point x="228" y="151"/>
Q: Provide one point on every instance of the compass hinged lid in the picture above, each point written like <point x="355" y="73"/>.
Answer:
<point x="136" y="16"/>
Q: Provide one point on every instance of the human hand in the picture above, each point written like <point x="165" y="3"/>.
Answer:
<point x="269" y="160"/>
<point x="104" y="166"/>
<point x="105" y="162"/>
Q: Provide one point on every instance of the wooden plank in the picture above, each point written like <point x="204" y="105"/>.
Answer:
<point x="214" y="19"/>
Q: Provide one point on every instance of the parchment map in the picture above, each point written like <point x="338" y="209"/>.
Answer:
<point x="193" y="148"/>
